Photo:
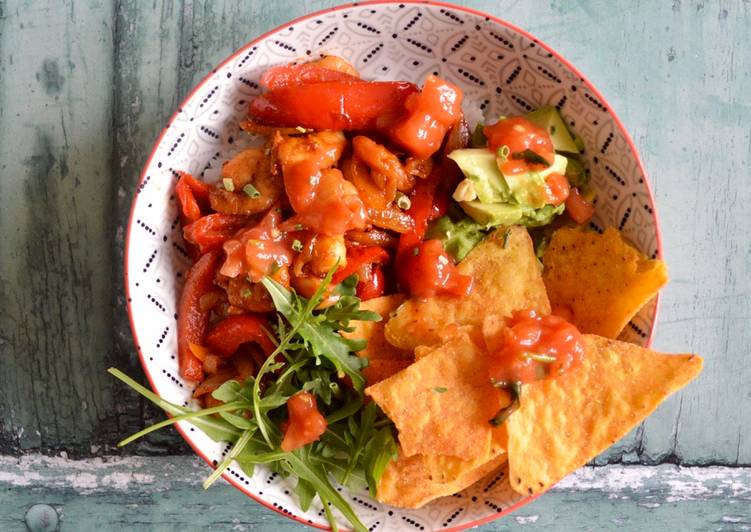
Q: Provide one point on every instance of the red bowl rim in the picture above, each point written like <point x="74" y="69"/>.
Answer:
<point x="186" y="435"/>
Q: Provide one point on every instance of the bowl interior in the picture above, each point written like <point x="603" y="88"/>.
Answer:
<point x="502" y="71"/>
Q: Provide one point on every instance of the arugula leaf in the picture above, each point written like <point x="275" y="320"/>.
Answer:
<point x="306" y="492"/>
<point x="379" y="451"/>
<point x="320" y="334"/>
<point x="310" y="355"/>
<point x="216" y="429"/>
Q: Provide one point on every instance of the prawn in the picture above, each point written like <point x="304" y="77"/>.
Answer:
<point x="255" y="187"/>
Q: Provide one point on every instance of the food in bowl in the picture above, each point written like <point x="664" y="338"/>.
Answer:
<point x="367" y="302"/>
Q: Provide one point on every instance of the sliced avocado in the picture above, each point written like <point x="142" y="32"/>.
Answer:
<point x="458" y="237"/>
<point x="542" y="216"/>
<point x="492" y="214"/>
<point x="549" y="118"/>
<point x="576" y="174"/>
<point x="479" y="166"/>
<point x="528" y="188"/>
<point x="478" y="138"/>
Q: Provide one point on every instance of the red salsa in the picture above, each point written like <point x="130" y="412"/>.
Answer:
<point x="519" y="136"/>
<point x="534" y="347"/>
<point x="429" y="271"/>
<point x="305" y="424"/>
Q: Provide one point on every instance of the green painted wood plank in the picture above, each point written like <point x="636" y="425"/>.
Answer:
<point x="55" y="284"/>
<point x="676" y="72"/>
<point x="147" y="48"/>
<point x="165" y="494"/>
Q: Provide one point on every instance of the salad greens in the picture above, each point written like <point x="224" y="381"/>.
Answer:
<point x="310" y="356"/>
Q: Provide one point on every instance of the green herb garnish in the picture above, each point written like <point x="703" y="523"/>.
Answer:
<point x="515" y="389"/>
<point x="229" y="185"/>
<point x="297" y="245"/>
<point x="506" y="234"/>
<point x="440" y="389"/>
<point x="531" y="157"/>
<point x="503" y="153"/>
<point x="310" y="356"/>
<point x="251" y="191"/>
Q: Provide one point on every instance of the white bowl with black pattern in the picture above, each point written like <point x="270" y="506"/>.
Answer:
<point x="500" y="68"/>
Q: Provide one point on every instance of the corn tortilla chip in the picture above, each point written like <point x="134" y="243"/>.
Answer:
<point x="506" y="278"/>
<point x="413" y="481"/>
<point x="565" y="422"/>
<point x="373" y="331"/>
<point x="601" y="278"/>
<point x="442" y="404"/>
<point x="382" y="368"/>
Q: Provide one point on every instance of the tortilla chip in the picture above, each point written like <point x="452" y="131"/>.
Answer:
<point x="413" y="481"/>
<point x="565" y="422"/>
<point x="601" y="278"/>
<point x="373" y="331"/>
<point x="442" y="404"/>
<point x="506" y="278"/>
<point x="379" y="369"/>
<point x="449" y="333"/>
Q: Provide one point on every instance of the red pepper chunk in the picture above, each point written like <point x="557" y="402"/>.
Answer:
<point x="191" y="193"/>
<point x="305" y="424"/>
<point x="227" y="335"/>
<point x="428" y="271"/>
<point x="373" y="283"/>
<point x="579" y="209"/>
<point x="334" y="105"/>
<point x="359" y="257"/>
<point x="210" y="232"/>
<point x="192" y="322"/>
<point x="432" y="112"/>
<point x="534" y="347"/>
<point x="306" y="73"/>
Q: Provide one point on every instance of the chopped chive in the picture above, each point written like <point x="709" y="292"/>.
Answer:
<point x="503" y="153"/>
<point x="229" y="185"/>
<point x="251" y="191"/>
<point x="403" y="201"/>
<point x="297" y="245"/>
<point x="440" y="389"/>
<point x="246" y="293"/>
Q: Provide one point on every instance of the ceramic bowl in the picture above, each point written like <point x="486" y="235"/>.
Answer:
<point x="500" y="68"/>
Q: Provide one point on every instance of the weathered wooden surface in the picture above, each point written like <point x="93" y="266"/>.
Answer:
<point x="164" y="494"/>
<point x="85" y="87"/>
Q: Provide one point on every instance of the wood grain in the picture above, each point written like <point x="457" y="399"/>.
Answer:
<point x="85" y="88"/>
<point x="164" y="494"/>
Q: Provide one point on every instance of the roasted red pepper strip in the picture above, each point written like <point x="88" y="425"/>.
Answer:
<point x="358" y="257"/>
<point x="336" y="105"/>
<point x="192" y="194"/>
<point x="210" y="232"/>
<point x="373" y="285"/>
<point x="227" y="335"/>
<point x="422" y="210"/>
<point x="192" y="322"/>
<point x="291" y="75"/>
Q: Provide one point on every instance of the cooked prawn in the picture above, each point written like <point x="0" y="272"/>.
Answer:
<point x="386" y="169"/>
<point x="254" y="186"/>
